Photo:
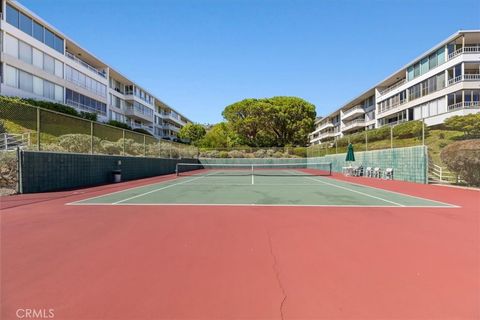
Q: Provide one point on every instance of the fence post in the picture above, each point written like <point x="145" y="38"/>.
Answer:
<point x="170" y="150"/>
<point x="38" y="129"/>
<point x="123" y="144"/>
<point x="144" y="147"/>
<point x="440" y="173"/>
<point x="91" y="137"/>
<point x="336" y="146"/>
<point x="423" y="132"/>
<point x="366" y="140"/>
<point x="391" y="137"/>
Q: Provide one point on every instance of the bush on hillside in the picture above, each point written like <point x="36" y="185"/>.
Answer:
<point x="468" y="124"/>
<point x="410" y="129"/>
<point x="119" y="124"/>
<point x="463" y="158"/>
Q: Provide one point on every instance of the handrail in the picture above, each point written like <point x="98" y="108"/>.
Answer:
<point x="392" y="87"/>
<point x="86" y="65"/>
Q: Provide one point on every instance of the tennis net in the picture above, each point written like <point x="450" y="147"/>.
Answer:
<point x="258" y="169"/>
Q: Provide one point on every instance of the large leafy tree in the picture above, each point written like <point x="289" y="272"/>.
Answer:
<point x="469" y="124"/>
<point x="220" y="135"/>
<point x="193" y="132"/>
<point x="276" y="121"/>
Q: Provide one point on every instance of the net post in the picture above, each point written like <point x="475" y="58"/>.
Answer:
<point x="176" y="169"/>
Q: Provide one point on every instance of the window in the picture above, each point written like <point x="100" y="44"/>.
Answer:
<point x="38" y="31"/>
<point x="49" y="64"/>
<point x="410" y="73"/>
<point x="26" y="81"/>
<point x="25" y="24"/>
<point x="11" y="76"/>
<point x="440" y="81"/>
<point x="37" y="58"/>
<point x="48" y="90"/>
<point x="11" y="46"/>
<point x="12" y="15"/>
<point x="38" y="86"/>
<point x="58" y="69"/>
<point x="49" y="38"/>
<point x="25" y="52"/>
<point x="416" y="70"/>
<point x="424" y="66"/>
<point x="58" y="44"/>
<point x="432" y="61"/>
<point x="441" y="56"/>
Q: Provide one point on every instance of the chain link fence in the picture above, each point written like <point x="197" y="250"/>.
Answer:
<point x="53" y="131"/>
<point x="408" y="134"/>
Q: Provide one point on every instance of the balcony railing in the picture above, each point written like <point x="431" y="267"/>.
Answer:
<point x="464" y="105"/>
<point x="353" y="110"/>
<point x="354" y="123"/>
<point x="392" y="87"/>
<point x="325" y="126"/>
<point x="464" y="77"/>
<point x="78" y="105"/>
<point x="466" y="49"/>
<point x="86" y="65"/>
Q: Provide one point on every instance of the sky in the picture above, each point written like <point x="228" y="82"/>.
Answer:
<point x="201" y="55"/>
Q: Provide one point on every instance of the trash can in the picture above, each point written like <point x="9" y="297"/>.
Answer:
<point x="117" y="175"/>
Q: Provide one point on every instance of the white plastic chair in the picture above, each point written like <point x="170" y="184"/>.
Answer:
<point x="388" y="173"/>
<point x="369" y="172"/>
<point x="377" y="172"/>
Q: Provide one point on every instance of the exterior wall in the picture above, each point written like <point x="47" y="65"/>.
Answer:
<point x="77" y="84"/>
<point x="455" y="55"/>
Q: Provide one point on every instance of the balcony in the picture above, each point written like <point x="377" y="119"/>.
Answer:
<point x="353" y="112"/>
<point x="355" y="124"/>
<point x="464" y="105"/>
<point x="101" y="73"/>
<point x="325" y="125"/>
<point x="392" y="87"/>
<point x="326" y="135"/>
<point x="141" y="126"/>
<point x="466" y="49"/>
<point x="464" y="77"/>
<point x="139" y="113"/>
<point x="173" y="117"/>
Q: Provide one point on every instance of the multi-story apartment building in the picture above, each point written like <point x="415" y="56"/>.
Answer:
<point x="40" y="62"/>
<point x="442" y="82"/>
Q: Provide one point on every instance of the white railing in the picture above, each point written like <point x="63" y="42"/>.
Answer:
<point x="10" y="141"/>
<point x="438" y="174"/>
<point x="326" y="135"/>
<point x="86" y="65"/>
<point x="354" y="123"/>
<point x="392" y="87"/>
<point x="471" y="77"/>
<point x="325" y="125"/>
<point x="466" y="49"/>
<point x="455" y="80"/>
<point x="464" y="105"/>
<point x="353" y="110"/>
<point x="136" y="109"/>
<point x="78" y="105"/>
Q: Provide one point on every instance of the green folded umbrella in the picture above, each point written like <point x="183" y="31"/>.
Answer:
<point x="350" y="155"/>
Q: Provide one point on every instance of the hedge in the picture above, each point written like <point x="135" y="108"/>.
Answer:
<point x="463" y="158"/>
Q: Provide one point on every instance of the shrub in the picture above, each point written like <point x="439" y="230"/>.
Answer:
<point x="379" y="134"/>
<point x="223" y="154"/>
<point x="79" y="143"/>
<point x="2" y="127"/>
<point x="119" y="124"/>
<point x="410" y="129"/>
<point x="236" y="154"/>
<point x="468" y="124"/>
<point x="111" y="148"/>
<point x="143" y="131"/>
<point x="8" y="170"/>
<point x="463" y="158"/>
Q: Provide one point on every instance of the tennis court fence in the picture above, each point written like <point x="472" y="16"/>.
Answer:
<point x="49" y="130"/>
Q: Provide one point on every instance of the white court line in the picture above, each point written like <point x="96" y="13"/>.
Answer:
<point x="159" y="189"/>
<point x="258" y="205"/>
<point x="123" y="190"/>
<point x="359" y="192"/>
<point x="402" y="194"/>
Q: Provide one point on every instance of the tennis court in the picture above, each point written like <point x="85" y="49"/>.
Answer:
<point x="259" y="184"/>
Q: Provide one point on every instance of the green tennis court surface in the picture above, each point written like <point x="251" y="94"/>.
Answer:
<point x="283" y="188"/>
